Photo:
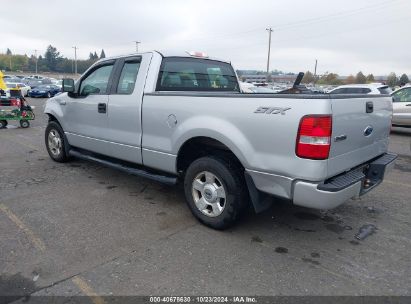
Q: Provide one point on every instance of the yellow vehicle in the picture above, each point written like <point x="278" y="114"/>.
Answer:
<point x="3" y="85"/>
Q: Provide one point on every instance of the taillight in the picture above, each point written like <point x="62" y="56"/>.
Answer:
<point x="314" y="137"/>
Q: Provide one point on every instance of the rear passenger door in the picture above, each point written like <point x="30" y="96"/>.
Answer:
<point x="124" y="108"/>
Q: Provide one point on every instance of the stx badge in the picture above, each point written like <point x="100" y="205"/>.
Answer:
<point x="271" y="110"/>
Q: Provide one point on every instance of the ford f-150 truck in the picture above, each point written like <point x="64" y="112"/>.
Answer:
<point x="184" y="118"/>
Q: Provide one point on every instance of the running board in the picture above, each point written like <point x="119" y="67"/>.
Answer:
<point x="169" y="180"/>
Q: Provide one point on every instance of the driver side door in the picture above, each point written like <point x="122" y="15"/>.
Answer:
<point x="86" y="112"/>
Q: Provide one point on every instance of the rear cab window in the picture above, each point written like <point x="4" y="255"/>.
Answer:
<point x="194" y="74"/>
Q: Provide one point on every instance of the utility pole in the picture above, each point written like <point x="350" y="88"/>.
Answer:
<point x="75" y="59"/>
<point x="137" y="43"/>
<point x="35" y="55"/>
<point x="270" y="30"/>
<point x="315" y="72"/>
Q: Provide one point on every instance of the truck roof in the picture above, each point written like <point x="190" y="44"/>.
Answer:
<point x="166" y="54"/>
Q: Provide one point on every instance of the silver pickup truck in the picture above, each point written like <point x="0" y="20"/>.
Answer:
<point x="184" y="118"/>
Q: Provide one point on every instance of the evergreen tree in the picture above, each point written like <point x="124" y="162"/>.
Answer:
<point x="370" y="78"/>
<point x="392" y="80"/>
<point x="404" y="79"/>
<point x="360" y="78"/>
<point x="102" y="54"/>
<point x="8" y="52"/>
<point x="52" y="57"/>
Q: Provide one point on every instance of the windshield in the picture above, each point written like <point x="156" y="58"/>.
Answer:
<point x="43" y="87"/>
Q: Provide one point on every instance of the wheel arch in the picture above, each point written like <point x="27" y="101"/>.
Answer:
<point x="199" y="146"/>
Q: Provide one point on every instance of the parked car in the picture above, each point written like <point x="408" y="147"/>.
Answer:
<point x="44" y="91"/>
<point x="21" y="86"/>
<point x="402" y="107"/>
<point x="184" y="119"/>
<point x="376" y="89"/>
<point x="38" y="77"/>
<point x="12" y="80"/>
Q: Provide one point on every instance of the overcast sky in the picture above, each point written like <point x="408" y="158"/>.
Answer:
<point x="347" y="36"/>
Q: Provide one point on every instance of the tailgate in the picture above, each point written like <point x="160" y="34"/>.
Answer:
<point x="361" y="127"/>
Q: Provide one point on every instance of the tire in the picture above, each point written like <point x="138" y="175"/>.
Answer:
<point x="3" y="124"/>
<point x="24" y="123"/>
<point x="215" y="208"/>
<point x="55" y="142"/>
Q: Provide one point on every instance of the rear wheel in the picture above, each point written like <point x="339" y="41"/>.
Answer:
<point x="24" y="123"/>
<point x="3" y="124"/>
<point x="55" y="144"/>
<point x="215" y="191"/>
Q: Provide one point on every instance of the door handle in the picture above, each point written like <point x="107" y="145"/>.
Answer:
<point x="102" y="108"/>
<point x="408" y="105"/>
<point x="369" y="107"/>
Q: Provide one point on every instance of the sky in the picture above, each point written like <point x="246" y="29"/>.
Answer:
<point x="372" y="36"/>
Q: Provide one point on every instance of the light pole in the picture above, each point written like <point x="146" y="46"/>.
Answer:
<point x="35" y="55"/>
<point x="270" y="30"/>
<point x="315" y="72"/>
<point x="75" y="59"/>
<point x="137" y="43"/>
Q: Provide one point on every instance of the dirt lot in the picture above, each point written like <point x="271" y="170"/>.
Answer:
<point x="83" y="229"/>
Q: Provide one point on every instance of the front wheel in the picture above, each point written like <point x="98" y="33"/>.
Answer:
<point x="215" y="191"/>
<point x="3" y="124"/>
<point x="55" y="143"/>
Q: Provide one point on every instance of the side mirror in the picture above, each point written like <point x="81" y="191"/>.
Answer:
<point x="68" y="85"/>
<point x="396" y="98"/>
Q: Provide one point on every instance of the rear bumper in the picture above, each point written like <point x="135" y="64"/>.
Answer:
<point x="336" y="190"/>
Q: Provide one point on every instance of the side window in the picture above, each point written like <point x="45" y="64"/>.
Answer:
<point x="365" y="90"/>
<point x="403" y="95"/>
<point x="195" y="74"/>
<point x="97" y="81"/>
<point x="128" y="77"/>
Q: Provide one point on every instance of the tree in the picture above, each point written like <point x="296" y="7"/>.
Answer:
<point x="8" y="52"/>
<point x="95" y="55"/>
<point x="350" y="80"/>
<point x="102" y="54"/>
<point x="370" y="78"/>
<point x="360" y="78"/>
<point x="404" y="79"/>
<point x="392" y="80"/>
<point x="329" y="78"/>
<point x="52" y="57"/>
<point x="308" y="77"/>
